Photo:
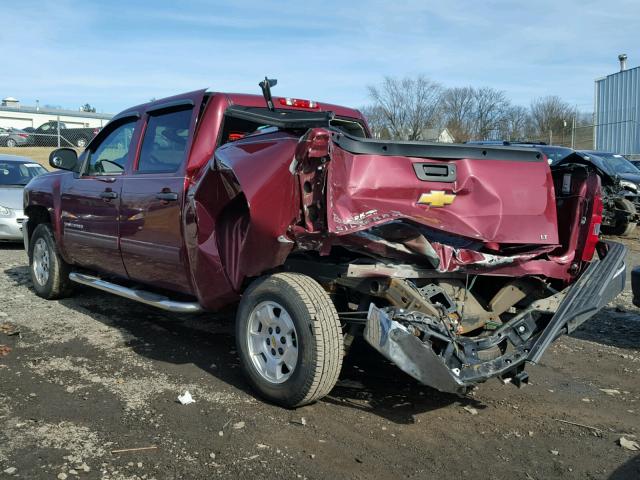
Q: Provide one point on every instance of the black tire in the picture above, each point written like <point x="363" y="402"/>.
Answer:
<point x="11" y="143"/>
<point x="57" y="284"/>
<point x="623" y="228"/>
<point x="318" y="332"/>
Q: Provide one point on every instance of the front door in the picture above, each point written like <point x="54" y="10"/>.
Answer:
<point x="90" y="202"/>
<point x="151" y="237"/>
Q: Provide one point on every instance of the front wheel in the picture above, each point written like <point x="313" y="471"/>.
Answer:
<point x="289" y="339"/>
<point x="49" y="272"/>
<point x="11" y="143"/>
<point x="81" y="142"/>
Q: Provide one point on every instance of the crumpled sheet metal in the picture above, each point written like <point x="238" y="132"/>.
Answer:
<point x="453" y="259"/>
<point x="496" y="201"/>
<point x="411" y="355"/>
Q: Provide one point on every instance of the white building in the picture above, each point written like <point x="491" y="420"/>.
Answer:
<point x="12" y="114"/>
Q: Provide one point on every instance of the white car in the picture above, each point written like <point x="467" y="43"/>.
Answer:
<point x="15" y="173"/>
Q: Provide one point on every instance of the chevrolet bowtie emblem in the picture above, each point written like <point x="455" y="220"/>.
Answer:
<point x="436" y="198"/>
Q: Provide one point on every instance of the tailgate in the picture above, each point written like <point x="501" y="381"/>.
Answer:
<point x="491" y="194"/>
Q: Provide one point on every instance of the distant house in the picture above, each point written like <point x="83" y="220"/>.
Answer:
<point x="13" y="114"/>
<point x="437" y="135"/>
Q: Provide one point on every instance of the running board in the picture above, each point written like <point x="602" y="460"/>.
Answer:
<point x="142" y="296"/>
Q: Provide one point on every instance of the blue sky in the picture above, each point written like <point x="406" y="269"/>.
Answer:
<point x="114" y="54"/>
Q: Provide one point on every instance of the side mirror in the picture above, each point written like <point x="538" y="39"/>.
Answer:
<point x="63" y="158"/>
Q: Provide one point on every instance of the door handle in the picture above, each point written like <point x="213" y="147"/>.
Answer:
<point x="167" y="196"/>
<point x="108" y="195"/>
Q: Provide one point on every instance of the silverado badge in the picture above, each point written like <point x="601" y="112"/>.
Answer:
<point x="436" y="198"/>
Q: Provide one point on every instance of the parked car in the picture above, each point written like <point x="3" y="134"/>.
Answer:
<point x="554" y="153"/>
<point x="636" y="163"/>
<point x="458" y="263"/>
<point x="46" y="135"/>
<point x="621" y="191"/>
<point x="15" y="173"/>
<point x="12" y="137"/>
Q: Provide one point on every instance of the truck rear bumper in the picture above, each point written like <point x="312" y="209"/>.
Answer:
<point x="597" y="286"/>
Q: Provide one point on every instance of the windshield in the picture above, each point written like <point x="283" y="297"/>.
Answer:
<point x="18" y="173"/>
<point x="618" y="163"/>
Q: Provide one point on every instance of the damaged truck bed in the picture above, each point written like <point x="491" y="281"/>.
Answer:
<point x="457" y="263"/>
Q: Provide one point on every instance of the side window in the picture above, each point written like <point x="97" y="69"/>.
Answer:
<point x="165" y="142"/>
<point x="109" y="157"/>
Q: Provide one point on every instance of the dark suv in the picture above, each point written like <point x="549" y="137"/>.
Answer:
<point x="620" y="181"/>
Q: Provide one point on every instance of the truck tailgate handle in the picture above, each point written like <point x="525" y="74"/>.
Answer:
<point x="435" y="172"/>
<point x="167" y="196"/>
<point x="108" y="195"/>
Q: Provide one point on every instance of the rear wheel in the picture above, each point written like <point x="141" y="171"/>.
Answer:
<point x="81" y="142"/>
<point x="623" y="227"/>
<point x="11" y="143"/>
<point x="289" y="339"/>
<point x="49" y="272"/>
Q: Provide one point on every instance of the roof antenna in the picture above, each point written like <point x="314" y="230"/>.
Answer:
<point x="266" y="85"/>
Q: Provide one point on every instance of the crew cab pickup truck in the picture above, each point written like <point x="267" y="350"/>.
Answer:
<point x="457" y="263"/>
<point x="54" y="133"/>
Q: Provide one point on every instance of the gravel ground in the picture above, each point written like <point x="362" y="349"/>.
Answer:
<point x="93" y="374"/>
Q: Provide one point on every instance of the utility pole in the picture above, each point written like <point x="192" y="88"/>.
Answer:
<point x="573" y="128"/>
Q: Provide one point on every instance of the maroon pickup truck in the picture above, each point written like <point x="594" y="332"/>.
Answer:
<point x="458" y="263"/>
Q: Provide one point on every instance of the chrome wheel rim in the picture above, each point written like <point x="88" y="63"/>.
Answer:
<point x="41" y="261"/>
<point x="272" y="342"/>
<point x="81" y="143"/>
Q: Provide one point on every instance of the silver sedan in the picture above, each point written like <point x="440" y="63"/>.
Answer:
<point x="15" y="173"/>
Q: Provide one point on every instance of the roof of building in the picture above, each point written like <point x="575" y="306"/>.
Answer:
<point x="617" y="73"/>
<point x="56" y="111"/>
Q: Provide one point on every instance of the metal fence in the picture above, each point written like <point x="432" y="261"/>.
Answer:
<point x="54" y="133"/>
<point x="579" y="137"/>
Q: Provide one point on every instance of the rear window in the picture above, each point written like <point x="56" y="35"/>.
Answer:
<point x="237" y="128"/>
<point x="555" y="154"/>
<point x="165" y="142"/>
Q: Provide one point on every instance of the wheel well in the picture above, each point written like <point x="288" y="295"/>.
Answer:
<point x="231" y="229"/>
<point x="37" y="215"/>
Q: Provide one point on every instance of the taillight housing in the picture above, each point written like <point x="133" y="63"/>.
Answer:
<point x="297" y="103"/>
<point x="233" y="136"/>
<point x="593" y="236"/>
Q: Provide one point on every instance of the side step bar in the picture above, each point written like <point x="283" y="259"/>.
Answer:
<point x="142" y="296"/>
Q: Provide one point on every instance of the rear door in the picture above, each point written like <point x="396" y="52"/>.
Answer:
<point x="153" y="198"/>
<point x="90" y="200"/>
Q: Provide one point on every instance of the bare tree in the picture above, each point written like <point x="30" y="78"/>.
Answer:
<point x="516" y="123"/>
<point x="458" y="105"/>
<point x="550" y="115"/>
<point x="407" y="106"/>
<point x="491" y="106"/>
<point x="475" y="113"/>
<point x="376" y="120"/>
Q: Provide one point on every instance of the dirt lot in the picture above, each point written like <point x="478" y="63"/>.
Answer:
<point x="95" y="373"/>
<point x="39" y="154"/>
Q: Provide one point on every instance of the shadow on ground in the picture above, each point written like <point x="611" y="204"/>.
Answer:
<point x="613" y="326"/>
<point x="12" y="246"/>
<point x="628" y="471"/>
<point x="368" y="381"/>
